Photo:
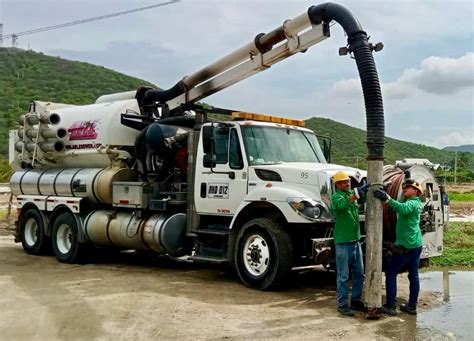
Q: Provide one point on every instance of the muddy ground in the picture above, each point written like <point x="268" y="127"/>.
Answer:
<point x="129" y="296"/>
<point x="124" y="295"/>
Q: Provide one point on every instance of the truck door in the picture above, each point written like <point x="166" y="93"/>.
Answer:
<point x="221" y="190"/>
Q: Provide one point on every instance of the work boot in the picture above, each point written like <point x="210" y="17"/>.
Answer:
<point x="392" y="311"/>
<point x="357" y="305"/>
<point x="408" y="309"/>
<point x="345" y="310"/>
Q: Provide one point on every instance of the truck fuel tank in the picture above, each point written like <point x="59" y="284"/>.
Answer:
<point x="162" y="233"/>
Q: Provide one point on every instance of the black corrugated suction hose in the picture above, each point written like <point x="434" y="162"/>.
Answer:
<point x="359" y="46"/>
<point x="162" y="96"/>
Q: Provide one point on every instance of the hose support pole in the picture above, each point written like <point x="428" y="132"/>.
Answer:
<point x="359" y="46"/>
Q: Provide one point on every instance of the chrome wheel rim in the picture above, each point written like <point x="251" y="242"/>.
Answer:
<point x="64" y="238"/>
<point x="256" y="255"/>
<point x="31" y="232"/>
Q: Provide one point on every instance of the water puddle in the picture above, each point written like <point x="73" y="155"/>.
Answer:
<point x="452" y="320"/>
<point x="456" y="314"/>
<point x="462" y="218"/>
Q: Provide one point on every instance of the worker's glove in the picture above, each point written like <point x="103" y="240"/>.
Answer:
<point x="381" y="194"/>
<point x="361" y="191"/>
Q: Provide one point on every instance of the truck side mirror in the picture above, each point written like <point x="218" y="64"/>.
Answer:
<point x="327" y="150"/>
<point x="327" y="142"/>
<point x="207" y="139"/>
<point x="209" y="161"/>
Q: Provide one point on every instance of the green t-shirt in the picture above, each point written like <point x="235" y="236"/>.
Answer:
<point x="347" y="227"/>
<point x="408" y="222"/>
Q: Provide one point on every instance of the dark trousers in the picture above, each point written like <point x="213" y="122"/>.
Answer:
<point x="409" y="259"/>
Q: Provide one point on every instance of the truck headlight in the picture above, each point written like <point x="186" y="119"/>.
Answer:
<point x="306" y="207"/>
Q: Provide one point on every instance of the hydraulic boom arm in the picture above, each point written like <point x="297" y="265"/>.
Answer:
<point x="294" y="36"/>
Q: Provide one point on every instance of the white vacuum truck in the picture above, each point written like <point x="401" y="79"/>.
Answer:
<point x="150" y="170"/>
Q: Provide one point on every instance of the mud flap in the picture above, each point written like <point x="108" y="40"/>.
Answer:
<point x="17" y="232"/>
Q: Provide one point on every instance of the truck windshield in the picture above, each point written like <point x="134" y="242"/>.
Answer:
<point x="269" y="145"/>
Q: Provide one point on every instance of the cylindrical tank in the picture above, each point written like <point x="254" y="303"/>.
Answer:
<point x="75" y="182"/>
<point x="94" y="184"/>
<point x="102" y="185"/>
<point x="27" y="182"/>
<point x="160" y="232"/>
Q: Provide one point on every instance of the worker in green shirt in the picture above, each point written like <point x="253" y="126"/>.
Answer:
<point x="344" y="205"/>
<point x="407" y="247"/>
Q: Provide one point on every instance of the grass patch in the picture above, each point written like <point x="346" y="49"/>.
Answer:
<point x="465" y="196"/>
<point x="4" y="214"/>
<point x="458" y="246"/>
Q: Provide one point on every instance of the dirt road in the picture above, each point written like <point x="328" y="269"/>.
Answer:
<point x="126" y="296"/>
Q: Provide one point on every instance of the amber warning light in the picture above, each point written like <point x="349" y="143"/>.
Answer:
<point x="240" y="115"/>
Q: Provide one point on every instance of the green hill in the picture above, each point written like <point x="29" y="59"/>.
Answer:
<point x="349" y="145"/>
<point x="27" y="75"/>
<point x="464" y="148"/>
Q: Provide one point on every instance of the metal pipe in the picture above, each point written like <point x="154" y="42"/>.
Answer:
<point x="32" y="119"/>
<point x="19" y="146"/>
<point x="32" y="133"/>
<point x="51" y="118"/>
<point x="262" y="43"/>
<point x="46" y="133"/>
<point x="30" y="146"/>
<point x="54" y="146"/>
<point x="21" y="120"/>
<point x="50" y="133"/>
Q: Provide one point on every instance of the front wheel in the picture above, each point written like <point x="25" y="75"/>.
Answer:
<point x="264" y="254"/>
<point x="65" y="239"/>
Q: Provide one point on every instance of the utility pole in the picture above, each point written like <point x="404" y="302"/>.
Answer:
<point x="455" y="167"/>
<point x="1" y="35"/>
<point x="373" y="249"/>
<point x="14" y="40"/>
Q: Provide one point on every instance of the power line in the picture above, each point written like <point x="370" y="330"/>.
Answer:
<point x="83" y="21"/>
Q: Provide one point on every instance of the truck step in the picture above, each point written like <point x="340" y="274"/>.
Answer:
<point x="213" y="232"/>
<point x="207" y="259"/>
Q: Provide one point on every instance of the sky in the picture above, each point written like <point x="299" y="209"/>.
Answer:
<point x="426" y="68"/>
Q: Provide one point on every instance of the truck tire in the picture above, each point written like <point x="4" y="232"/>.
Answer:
<point x="32" y="233"/>
<point x="264" y="254"/>
<point x="65" y="239"/>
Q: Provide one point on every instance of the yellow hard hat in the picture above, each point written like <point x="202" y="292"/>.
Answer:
<point x="340" y="176"/>
<point x="414" y="184"/>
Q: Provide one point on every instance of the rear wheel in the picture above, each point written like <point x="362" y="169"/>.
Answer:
<point x="65" y="239"/>
<point x="32" y="232"/>
<point x="263" y="254"/>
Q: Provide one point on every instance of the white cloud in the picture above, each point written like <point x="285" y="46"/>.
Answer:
<point x="435" y="76"/>
<point x="426" y="67"/>
<point x="437" y="84"/>
<point x="439" y="75"/>
<point x="436" y="97"/>
<point x="455" y="138"/>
